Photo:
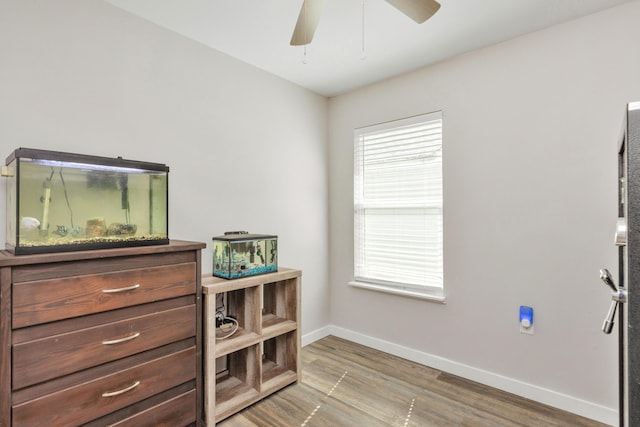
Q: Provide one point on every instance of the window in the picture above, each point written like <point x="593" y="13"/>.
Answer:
<point x="398" y="206"/>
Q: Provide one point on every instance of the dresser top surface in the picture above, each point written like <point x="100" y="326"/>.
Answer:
<point x="8" y="259"/>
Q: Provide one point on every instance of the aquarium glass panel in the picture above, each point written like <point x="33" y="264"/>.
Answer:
<point x="9" y="173"/>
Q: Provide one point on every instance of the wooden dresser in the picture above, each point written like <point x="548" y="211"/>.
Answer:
<point x="103" y="337"/>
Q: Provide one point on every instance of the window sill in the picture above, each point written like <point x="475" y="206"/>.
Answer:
<point x="403" y="292"/>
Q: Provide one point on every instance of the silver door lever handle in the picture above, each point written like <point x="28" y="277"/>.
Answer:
<point x="618" y="296"/>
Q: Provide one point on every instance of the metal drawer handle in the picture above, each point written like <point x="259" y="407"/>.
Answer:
<point x="119" y="340"/>
<point x="124" y="390"/>
<point x="125" y="289"/>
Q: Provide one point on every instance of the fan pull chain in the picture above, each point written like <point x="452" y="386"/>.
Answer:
<point x="363" y="54"/>
<point x="304" y="59"/>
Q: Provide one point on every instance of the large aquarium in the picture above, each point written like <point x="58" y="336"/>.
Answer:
<point x="66" y="202"/>
<point x="240" y="254"/>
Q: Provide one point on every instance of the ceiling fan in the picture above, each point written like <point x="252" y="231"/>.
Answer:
<point x="418" y="10"/>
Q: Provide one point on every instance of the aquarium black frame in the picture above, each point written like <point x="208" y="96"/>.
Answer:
<point x="39" y="154"/>
<point x="244" y="237"/>
<point x="62" y="156"/>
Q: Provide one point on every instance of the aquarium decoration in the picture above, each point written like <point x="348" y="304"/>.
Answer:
<point x="60" y="202"/>
<point x="239" y="254"/>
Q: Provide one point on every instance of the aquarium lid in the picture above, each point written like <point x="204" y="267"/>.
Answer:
<point x="83" y="159"/>
<point x="241" y="236"/>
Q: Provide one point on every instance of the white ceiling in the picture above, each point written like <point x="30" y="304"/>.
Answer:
<point x="258" y="32"/>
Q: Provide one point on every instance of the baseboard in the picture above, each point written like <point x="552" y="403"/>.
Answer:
<point x="549" y="397"/>
<point x="316" y="335"/>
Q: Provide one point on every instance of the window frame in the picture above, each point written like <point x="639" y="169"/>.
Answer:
<point x="423" y="291"/>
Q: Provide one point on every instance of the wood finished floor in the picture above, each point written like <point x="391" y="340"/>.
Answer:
<point x="347" y="384"/>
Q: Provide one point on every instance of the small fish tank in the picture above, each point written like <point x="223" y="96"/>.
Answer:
<point x="58" y="202"/>
<point x="240" y="254"/>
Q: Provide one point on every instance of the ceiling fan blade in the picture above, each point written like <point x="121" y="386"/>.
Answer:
<point x="307" y="22"/>
<point x="418" y="10"/>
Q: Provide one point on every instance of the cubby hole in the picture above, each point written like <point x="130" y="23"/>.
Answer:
<point x="237" y="379"/>
<point x="240" y="305"/>
<point x="279" y="361"/>
<point x="279" y="307"/>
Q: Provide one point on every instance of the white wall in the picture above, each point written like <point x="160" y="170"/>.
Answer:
<point x="530" y="134"/>
<point x="246" y="150"/>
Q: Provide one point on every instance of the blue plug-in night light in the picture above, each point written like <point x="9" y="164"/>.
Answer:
<point x="526" y="316"/>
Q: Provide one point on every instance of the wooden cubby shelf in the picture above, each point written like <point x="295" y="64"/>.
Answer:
<point x="263" y="355"/>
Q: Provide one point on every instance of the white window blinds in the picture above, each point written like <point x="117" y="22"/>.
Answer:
<point x="398" y="204"/>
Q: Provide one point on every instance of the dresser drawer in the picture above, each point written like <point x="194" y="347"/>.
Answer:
<point x="89" y="400"/>
<point x="177" y="412"/>
<point x="48" y="300"/>
<point x="43" y="359"/>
